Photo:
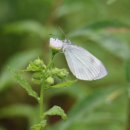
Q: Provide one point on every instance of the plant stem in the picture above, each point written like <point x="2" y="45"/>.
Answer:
<point x="42" y="91"/>
<point x="42" y="102"/>
<point x="43" y="86"/>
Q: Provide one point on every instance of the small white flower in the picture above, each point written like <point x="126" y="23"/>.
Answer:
<point x="56" y="44"/>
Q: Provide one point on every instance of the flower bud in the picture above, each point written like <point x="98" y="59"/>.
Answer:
<point x="63" y="73"/>
<point x="36" y="65"/>
<point x="39" y="62"/>
<point x="56" y="44"/>
<point x="50" y="80"/>
<point x="55" y="71"/>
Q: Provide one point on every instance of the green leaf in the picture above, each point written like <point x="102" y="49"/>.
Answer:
<point x="104" y="25"/>
<point x="32" y="27"/>
<point x="24" y="84"/>
<point x="21" y="110"/>
<point x="64" y="84"/>
<point x="17" y="61"/>
<point x="87" y="105"/>
<point x="28" y="27"/>
<point x="92" y="101"/>
<point x="56" y="110"/>
<point x="39" y="126"/>
<point x="16" y="110"/>
<point x="128" y="75"/>
<point x="114" y="44"/>
<point x="128" y="70"/>
<point x="71" y="8"/>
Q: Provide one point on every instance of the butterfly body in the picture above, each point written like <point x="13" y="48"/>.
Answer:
<point x="82" y="64"/>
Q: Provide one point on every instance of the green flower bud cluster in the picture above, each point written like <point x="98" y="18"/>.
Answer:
<point x="56" y="73"/>
<point x="36" y="65"/>
<point x="61" y="73"/>
<point x="49" y="74"/>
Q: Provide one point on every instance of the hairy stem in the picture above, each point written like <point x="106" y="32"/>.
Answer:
<point x="41" y="102"/>
<point x="43" y="86"/>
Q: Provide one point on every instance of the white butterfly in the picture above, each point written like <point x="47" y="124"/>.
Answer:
<point x="82" y="63"/>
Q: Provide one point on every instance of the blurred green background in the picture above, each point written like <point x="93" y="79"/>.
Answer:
<point x="100" y="26"/>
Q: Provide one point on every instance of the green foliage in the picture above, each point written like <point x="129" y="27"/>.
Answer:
<point x="39" y="126"/>
<point x="128" y="70"/>
<point x="64" y="84"/>
<point x="25" y="85"/>
<point x="128" y="75"/>
<point x="56" y="110"/>
<point x="22" y="59"/>
<point x="111" y="1"/>
<point x="102" y="27"/>
<point x="105" y="39"/>
<point x="16" y="111"/>
<point x="49" y="73"/>
<point x="42" y="73"/>
<point x="81" y="111"/>
<point x="50" y="80"/>
<point x="36" y="65"/>
<point x="61" y="73"/>
<point x="29" y="27"/>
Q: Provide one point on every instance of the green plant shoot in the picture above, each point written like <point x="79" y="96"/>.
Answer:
<point x="47" y="77"/>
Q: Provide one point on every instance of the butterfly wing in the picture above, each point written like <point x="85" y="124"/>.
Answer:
<point x="83" y="64"/>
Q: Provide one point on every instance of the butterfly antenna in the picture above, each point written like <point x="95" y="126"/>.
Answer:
<point x="61" y="30"/>
<point x="52" y="35"/>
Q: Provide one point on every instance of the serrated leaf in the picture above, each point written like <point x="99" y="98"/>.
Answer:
<point x="39" y="126"/>
<point x="24" y="84"/>
<point x="64" y="84"/>
<point x="56" y="110"/>
<point x="17" y="61"/>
